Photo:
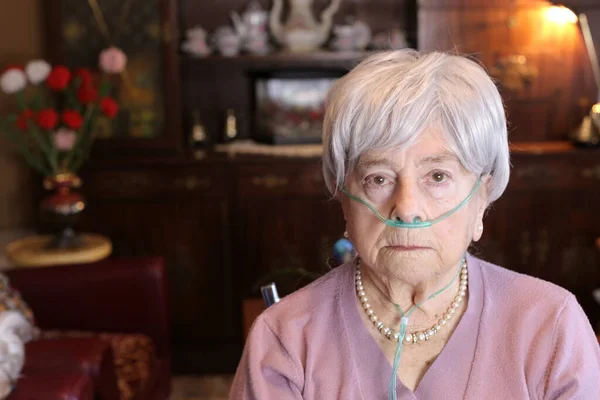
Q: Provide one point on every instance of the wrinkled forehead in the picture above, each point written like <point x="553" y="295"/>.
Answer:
<point x="430" y="149"/>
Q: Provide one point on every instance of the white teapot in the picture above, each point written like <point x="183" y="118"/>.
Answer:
<point x="253" y="20"/>
<point x="301" y="32"/>
<point x="251" y="28"/>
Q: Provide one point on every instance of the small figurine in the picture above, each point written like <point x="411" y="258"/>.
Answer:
<point x="251" y="27"/>
<point x="362" y="35"/>
<point x="301" y="32"/>
<point x="354" y="36"/>
<point x="343" y="38"/>
<point x="227" y="41"/>
<point x="196" y="42"/>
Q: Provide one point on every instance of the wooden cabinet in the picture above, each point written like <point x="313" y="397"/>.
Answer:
<point x="181" y="212"/>
<point x="547" y="222"/>
<point x="225" y="223"/>
<point x="285" y="219"/>
<point x="222" y="223"/>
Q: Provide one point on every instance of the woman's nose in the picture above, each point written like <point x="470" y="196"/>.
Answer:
<point x="406" y="203"/>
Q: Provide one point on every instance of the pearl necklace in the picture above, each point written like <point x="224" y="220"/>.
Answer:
<point x="419" y="336"/>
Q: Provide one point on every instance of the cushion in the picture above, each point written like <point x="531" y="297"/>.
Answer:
<point x="52" y="385"/>
<point x="134" y="355"/>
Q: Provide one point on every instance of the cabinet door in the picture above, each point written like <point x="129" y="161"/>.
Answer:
<point x="547" y="223"/>
<point x="184" y="216"/>
<point x="286" y="233"/>
<point x="148" y="90"/>
<point x="284" y="221"/>
<point x="568" y="230"/>
<point x="509" y="229"/>
<point x="192" y="237"/>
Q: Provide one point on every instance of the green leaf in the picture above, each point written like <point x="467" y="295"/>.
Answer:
<point x="35" y="161"/>
<point x="105" y="86"/>
<point x="43" y="140"/>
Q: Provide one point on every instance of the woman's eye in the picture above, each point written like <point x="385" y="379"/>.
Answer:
<point x="438" y="177"/>
<point x="379" y="180"/>
<point x="376" y="180"/>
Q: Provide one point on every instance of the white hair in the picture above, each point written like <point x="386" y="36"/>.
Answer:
<point x="390" y="98"/>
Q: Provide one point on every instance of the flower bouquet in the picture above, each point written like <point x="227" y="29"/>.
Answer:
<point x="54" y="127"/>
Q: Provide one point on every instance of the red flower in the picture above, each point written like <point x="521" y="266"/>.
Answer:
<point x="47" y="119"/>
<point x="84" y="74"/>
<point x="72" y="119"/>
<point x="87" y="93"/>
<point x="22" y="120"/>
<point x="59" y="78"/>
<point x="315" y="115"/>
<point x="109" y="107"/>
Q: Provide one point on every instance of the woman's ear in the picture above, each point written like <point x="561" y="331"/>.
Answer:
<point x="482" y="206"/>
<point x="484" y="190"/>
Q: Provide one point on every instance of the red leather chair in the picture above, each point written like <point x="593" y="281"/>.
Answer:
<point x="119" y="295"/>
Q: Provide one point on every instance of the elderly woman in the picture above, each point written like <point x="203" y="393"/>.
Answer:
<point x="415" y="149"/>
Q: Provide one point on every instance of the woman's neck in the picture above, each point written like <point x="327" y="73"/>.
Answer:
<point x="384" y="293"/>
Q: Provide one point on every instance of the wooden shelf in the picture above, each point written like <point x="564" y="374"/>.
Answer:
<point x="551" y="147"/>
<point x="545" y="147"/>
<point x="321" y="59"/>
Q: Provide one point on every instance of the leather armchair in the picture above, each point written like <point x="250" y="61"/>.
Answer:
<point x="119" y="295"/>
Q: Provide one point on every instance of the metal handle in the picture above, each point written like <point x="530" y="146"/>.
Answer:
<point x="269" y="294"/>
<point x="537" y="174"/>
<point x="592" y="172"/>
<point x="270" y="181"/>
<point x="192" y="183"/>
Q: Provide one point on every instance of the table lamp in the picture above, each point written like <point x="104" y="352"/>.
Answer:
<point x="587" y="134"/>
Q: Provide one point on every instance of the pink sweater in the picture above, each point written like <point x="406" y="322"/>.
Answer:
<point x="520" y="338"/>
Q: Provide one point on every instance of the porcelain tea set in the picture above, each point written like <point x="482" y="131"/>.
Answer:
<point x="252" y="30"/>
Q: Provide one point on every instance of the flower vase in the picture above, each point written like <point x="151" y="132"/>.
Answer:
<point x="62" y="209"/>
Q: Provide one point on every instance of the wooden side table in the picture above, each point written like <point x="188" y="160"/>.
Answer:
<point x="33" y="251"/>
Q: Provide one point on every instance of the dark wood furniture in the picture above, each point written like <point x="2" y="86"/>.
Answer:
<point x="222" y="223"/>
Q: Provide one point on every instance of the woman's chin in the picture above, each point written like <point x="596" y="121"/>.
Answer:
<point x="407" y="265"/>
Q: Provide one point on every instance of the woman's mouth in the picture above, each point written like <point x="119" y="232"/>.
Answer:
<point x="406" y="248"/>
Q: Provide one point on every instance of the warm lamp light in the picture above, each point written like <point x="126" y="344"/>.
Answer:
<point x="588" y="133"/>
<point x="561" y="15"/>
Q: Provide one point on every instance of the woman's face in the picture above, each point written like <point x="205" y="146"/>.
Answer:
<point x="425" y="181"/>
